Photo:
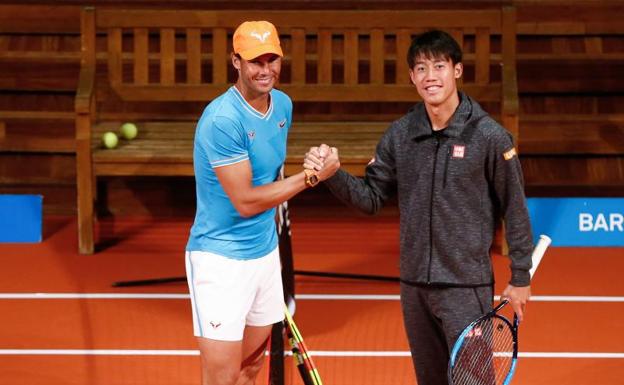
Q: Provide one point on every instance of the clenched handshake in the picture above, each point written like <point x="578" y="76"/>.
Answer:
<point x="322" y="159"/>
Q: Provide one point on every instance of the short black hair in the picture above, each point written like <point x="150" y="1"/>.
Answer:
<point x="434" y="44"/>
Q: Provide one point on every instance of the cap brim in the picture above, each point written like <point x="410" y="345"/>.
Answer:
<point x="260" y="50"/>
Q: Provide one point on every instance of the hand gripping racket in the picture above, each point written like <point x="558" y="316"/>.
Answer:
<point x="307" y="369"/>
<point x="486" y="351"/>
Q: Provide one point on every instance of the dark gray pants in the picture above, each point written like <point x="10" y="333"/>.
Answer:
<point x="434" y="317"/>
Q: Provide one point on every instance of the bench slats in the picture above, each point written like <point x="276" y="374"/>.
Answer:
<point x="403" y="40"/>
<point x="458" y="35"/>
<point x="324" y="48"/>
<point x="140" y="56"/>
<point x="360" y="46"/>
<point x="377" y="55"/>
<point x="482" y="52"/>
<point x="219" y="50"/>
<point x="298" y="56"/>
<point x="167" y="59"/>
<point x="114" y="55"/>
<point x="351" y="57"/>
<point x="193" y="51"/>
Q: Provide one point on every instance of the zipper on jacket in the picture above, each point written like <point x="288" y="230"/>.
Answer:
<point x="446" y="162"/>
<point x="435" y="161"/>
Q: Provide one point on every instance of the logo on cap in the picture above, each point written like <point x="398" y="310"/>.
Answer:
<point x="262" y="37"/>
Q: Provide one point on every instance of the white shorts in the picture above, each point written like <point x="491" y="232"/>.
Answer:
<point x="227" y="294"/>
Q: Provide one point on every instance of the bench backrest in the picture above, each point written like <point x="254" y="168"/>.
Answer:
<point x="342" y="56"/>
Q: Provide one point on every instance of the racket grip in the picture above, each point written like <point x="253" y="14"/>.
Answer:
<point x="538" y="252"/>
<point x="305" y="375"/>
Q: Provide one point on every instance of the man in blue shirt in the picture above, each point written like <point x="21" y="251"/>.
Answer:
<point x="232" y="259"/>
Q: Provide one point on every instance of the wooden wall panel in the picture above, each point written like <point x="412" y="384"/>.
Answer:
<point x="40" y="53"/>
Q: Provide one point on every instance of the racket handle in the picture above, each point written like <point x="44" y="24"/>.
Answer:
<point x="305" y="375"/>
<point x="502" y="304"/>
<point x="538" y="252"/>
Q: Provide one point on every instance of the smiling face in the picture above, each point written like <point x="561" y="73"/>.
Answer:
<point x="256" y="77"/>
<point x="435" y="79"/>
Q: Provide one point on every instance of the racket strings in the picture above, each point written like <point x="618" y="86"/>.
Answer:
<point x="486" y="354"/>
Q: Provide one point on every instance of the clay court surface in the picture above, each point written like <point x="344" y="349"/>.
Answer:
<point x="63" y="323"/>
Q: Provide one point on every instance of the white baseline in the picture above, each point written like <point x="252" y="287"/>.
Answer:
<point x="304" y="297"/>
<point x="317" y="353"/>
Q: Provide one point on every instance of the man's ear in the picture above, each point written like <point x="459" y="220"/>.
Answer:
<point x="236" y="61"/>
<point x="459" y="70"/>
<point x="412" y="76"/>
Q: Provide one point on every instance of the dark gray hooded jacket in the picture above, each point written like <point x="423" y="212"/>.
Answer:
<point x="452" y="186"/>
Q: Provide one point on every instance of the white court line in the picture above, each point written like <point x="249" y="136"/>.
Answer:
<point x="318" y="353"/>
<point x="328" y="297"/>
<point x="92" y="296"/>
<point x="96" y="352"/>
<point x="322" y="353"/>
<point x="393" y="297"/>
<point x="571" y="298"/>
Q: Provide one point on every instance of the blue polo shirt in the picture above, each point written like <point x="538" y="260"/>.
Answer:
<point x="231" y="131"/>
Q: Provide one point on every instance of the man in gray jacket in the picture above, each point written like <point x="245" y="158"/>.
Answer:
<point x="456" y="172"/>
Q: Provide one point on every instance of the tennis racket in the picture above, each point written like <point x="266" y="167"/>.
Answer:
<point x="486" y="351"/>
<point x="303" y="360"/>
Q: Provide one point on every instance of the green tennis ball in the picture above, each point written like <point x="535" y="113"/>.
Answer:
<point x="128" y="130"/>
<point x="109" y="139"/>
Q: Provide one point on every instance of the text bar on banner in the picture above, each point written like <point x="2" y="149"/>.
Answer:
<point x="579" y="221"/>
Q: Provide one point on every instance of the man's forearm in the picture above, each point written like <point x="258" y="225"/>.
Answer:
<point x="354" y="192"/>
<point x="265" y="197"/>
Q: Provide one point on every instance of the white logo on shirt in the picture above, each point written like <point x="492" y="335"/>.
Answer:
<point x="251" y="134"/>
<point x="458" y="151"/>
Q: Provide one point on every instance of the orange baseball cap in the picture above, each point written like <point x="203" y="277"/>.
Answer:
<point x="256" y="38"/>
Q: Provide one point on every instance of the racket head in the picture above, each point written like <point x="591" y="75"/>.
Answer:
<point x="485" y="353"/>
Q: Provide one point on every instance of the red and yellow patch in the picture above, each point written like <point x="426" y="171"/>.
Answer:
<point x="510" y="154"/>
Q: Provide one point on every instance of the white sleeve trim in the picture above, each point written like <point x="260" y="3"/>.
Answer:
<point x="229" y="161"/>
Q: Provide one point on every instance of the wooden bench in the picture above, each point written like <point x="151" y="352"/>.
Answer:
<point x="336" y="62"/>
